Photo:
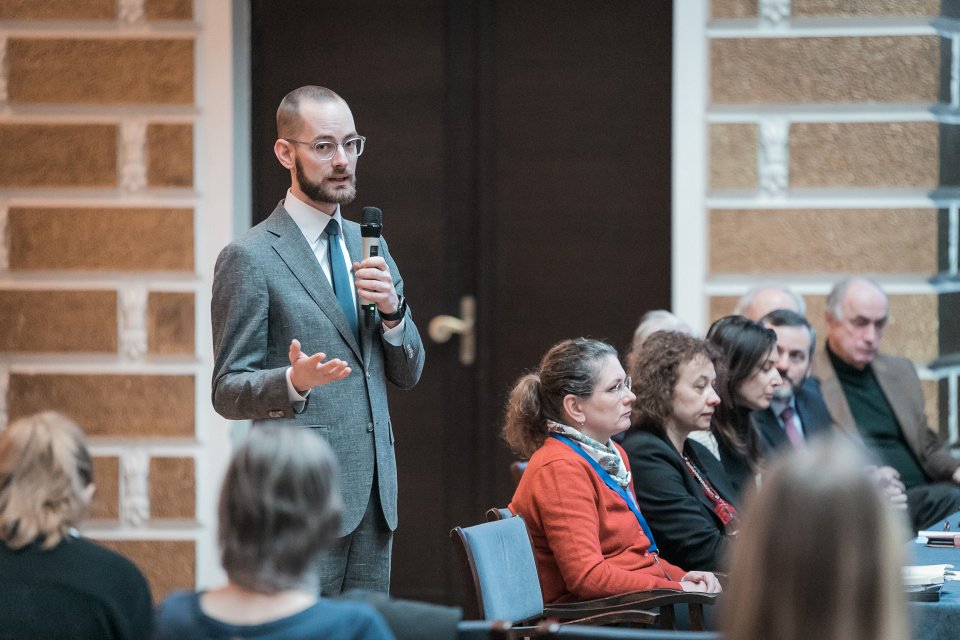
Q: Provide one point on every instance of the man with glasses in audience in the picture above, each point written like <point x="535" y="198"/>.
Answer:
<point x="879" y="397"/>
<point x="307" y="333"/>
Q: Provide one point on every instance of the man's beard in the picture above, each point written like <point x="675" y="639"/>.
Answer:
<point x="785" y="391"/>
<point x="318" y="192"/>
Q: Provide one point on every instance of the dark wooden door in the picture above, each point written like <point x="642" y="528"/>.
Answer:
<point x="520" y="152"/>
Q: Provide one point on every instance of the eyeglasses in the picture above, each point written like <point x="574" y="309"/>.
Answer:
<point x="326" y="149"/>
<point x="624" y="385"/>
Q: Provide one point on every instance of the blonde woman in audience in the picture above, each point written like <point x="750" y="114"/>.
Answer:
<point x="820" y="554"/>
<point x="53" y="583"/>
<point x="590" y="538"/>
<point x="279" y="508"/>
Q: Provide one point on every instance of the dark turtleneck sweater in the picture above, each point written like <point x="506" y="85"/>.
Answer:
<point x="876" y="421"/>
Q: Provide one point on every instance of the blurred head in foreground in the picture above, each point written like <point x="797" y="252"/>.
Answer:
<point x="820" y="553"/>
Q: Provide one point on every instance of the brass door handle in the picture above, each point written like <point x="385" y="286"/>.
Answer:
<point x="442" y="328"/>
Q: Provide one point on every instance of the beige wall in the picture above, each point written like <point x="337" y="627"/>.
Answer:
<point x="104" y="280"/>
<point x="822" y="129"/>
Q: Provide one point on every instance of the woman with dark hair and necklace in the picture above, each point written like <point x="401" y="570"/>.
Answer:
<point x="680" y="485"/>
<point x="747" y="378"/>
<point x="589" y="536"/>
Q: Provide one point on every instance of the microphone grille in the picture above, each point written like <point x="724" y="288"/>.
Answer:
<point x="371" y="215"/>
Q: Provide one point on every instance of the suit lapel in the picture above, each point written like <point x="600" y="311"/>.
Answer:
<point x="295" y="251"/>
<point x="833" y="394"/>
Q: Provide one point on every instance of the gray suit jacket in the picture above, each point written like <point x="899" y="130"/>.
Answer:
<point x="269" y="288"/>
<point x="898" y="380"/>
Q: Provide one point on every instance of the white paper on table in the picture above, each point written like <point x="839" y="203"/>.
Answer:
<point x="927" y="574"/>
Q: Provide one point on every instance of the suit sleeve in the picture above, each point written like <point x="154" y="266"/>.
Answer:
<point x="403" y="362"/>
<point x="571" y="523"/>
<point x="684" y="531"/>
<point x="244" y="387"/>
<point x="934" y="453"/>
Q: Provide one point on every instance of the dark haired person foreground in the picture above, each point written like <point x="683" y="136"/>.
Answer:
<point x="291" y="344"/>
<point x="681" y="487"/>
<point x="53" y="583"/>
<point x="747" y="379"/>
<point x="820" y="553"/>
<point x="590" y="539"/>
<point x="279" y="509"/>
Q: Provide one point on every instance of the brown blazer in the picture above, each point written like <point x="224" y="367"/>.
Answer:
<point x="899" y="382"/>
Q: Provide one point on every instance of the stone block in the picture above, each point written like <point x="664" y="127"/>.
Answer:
<point x="733" y="9"/>
<point x="117" y="406"/>
<point x="864" y="154"/>
<point x="92" y="71"/>
<point x="58" y="155"/>
<point x="170" y="323"/>
<point x="864" y="8"/>
<point x="106" y="500"/>
<point x="170" y="155"/>
<point x="823" y="241"/>
<point x="733" y="156"/>
<point x="100" y="239"/>
<point x="816" y="70"/>
<point x="58" y="9"/>
<point x="34" y="321"/>
<point x="173" y="487"/>
<point x="168" y="9"/>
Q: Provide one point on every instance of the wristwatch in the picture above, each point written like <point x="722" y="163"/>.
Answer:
<point x="399" y="313"/>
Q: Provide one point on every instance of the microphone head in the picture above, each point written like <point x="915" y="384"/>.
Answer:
<point x="371" y="215"/>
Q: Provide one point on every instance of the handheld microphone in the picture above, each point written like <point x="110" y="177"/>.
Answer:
<point x="371" y="226"/>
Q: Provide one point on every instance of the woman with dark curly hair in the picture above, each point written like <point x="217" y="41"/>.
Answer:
<point x="680" y="485"/>
<point x="590" y="539"/>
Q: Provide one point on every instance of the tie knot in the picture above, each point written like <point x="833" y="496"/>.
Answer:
<point x="333" y="228"/>
<point x="786" y="414"/>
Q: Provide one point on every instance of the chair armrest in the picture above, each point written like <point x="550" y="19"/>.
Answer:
<point x="598" y="617"/>
<point x="636" y="599"/>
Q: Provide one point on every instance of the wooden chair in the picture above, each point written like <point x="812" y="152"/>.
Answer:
<point x="516" y="470"/>
<point x="499" y="570"/>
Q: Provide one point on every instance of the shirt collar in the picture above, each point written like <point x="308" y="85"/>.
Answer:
<point x="312" y="222"/>
<point x="779" y="405"/>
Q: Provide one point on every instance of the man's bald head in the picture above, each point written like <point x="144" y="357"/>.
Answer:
<point x="762" y="299"/>
<point x="288" y="113"/>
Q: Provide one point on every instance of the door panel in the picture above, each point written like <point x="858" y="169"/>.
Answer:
<point x="520" y="153"/>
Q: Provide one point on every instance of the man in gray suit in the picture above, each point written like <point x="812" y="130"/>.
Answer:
<point x="879" y="397"/>
<point x="293" y="345"/>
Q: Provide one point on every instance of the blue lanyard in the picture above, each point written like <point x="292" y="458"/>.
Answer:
<point x="627" y="496"/>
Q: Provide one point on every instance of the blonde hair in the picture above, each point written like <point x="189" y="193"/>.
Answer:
<point x="45" y="469"/>
<point x="819" y="529"/>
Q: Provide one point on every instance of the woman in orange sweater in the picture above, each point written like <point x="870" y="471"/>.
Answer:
<point x="576" y="496"/>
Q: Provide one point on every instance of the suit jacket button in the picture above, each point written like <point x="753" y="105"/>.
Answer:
<point x="370" y="427"/>
<point x="276" y="414"/>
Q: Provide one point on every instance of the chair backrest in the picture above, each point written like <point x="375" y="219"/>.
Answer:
<point x="500" y="558"/>
<point x="516" y="470"/>
<point x="499" y="513"/>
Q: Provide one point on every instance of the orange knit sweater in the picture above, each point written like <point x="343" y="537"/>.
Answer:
<point x="587" y="542"/>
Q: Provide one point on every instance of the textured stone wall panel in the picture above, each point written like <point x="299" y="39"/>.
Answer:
<point x="858" y="8"/>
<point x="168" y="9"/>
<point x="733" y="9"/>
<point x="172" y="488"/>
<point x="167" y="564"/>
<point x="58" y="9"/>
<point x="864" y="154"/>
<point x="131" y="406"/>
<point x="106" y="500"/>
<point x="170" y="155"/>
<point x="89" y="71"/>
<point x="170" y="323"/>
<point x="47" y="155"/>
<point x="816" y="70"/>
<point x="823" y="241"/>
<point x="100" y="239"/>
<point x="733" y="156"/>
<point x="58" y="321"/>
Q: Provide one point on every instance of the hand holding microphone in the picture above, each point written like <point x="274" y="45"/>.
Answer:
<point x="372" y="277"/>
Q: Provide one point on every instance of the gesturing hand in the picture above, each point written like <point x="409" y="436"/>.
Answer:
<point x="308" y="372"/>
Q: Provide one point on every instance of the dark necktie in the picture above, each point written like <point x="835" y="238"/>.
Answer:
<point x="340" y="277"/>
<point x="790" y="426"/>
